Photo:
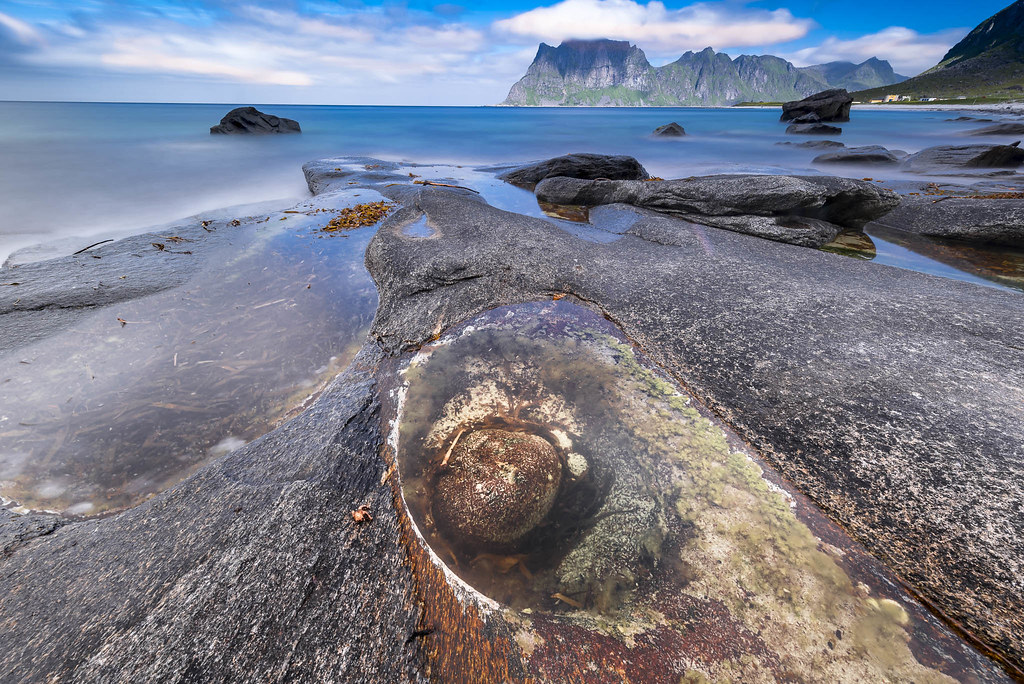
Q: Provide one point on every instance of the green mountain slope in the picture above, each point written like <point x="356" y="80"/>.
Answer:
<point x="615" y="73"/>
<point x="988" y="62"/>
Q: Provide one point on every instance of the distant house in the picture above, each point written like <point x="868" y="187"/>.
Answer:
<point x="891" y="98"/>
<point x="876" y="102"/>
<point x="928" y="99"/>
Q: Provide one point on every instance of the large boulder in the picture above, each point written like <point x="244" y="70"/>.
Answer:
<point x="828" y="105"/>
<point x="956" y="158"/>
<point x="1000" y="129"/>
<point x="813" y="129"/>
<point x="973" y="219"/>
<point x="672" y="130"/>
<point x="869" y="155"/>
<point x="251" y="121"/>
<point x="580" y="165"/>
<point x="803" y="210"/>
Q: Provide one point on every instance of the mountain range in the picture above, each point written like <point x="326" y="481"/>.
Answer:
<point x="988" y="62"/>
<point x="616" y="73"/>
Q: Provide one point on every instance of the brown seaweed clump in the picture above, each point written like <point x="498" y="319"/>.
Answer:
<point x="368" y="214"/>
<point x="498" y="486"/>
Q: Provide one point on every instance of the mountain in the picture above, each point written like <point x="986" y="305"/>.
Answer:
<point x="870" y="74"/>
<point x="615" y="73"/>
<point x="989" y="62"/>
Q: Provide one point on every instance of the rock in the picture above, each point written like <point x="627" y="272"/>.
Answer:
<point x="953" y="159"/>
<point x="998" y="157"/>
<point x="828" y="105"/>
<point x="814" y="144"/>
<point x="582" y="165"/>
<point x="873" y="155"/>
<point x="837" y="369"/>
<point x="809" y="117"/>
<point x="813" y="129"/>
<point x="802" y="210"/>
<point x="997" y="221"/>
<point x="969" y="118"/>
<point x="251" y="121"/>
<point x="1000" y="129"/>
<point x="496" y="488"/>
<point x="672" y="130"/>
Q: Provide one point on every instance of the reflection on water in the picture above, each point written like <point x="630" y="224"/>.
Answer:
<point x="562" y="477"/>
<point x="984" y="264"/>
<point x="102" y="416"/>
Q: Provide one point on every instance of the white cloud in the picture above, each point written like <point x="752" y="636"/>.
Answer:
<point x="360" y="50"/>
<point x="653" y="25"/>
<point x="908" y="51"/>
<point x="22" y="31"/>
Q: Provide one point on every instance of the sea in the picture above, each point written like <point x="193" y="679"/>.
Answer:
<point x="70" y="172"/>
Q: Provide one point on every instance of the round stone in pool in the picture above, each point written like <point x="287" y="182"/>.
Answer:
<point x="497" y="487"/>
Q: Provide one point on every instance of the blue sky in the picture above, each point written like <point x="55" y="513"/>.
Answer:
<point x="419" y="52"/>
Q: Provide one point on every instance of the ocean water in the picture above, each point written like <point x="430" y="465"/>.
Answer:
<point x="76" y="170"/>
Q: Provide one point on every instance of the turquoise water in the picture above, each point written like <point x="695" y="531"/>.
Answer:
<point x="72" y="171"/>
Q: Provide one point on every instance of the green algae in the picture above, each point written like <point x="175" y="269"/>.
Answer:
<point x="681" y="512"/>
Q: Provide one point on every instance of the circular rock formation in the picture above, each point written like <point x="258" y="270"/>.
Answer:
<point x="497" y="487"/>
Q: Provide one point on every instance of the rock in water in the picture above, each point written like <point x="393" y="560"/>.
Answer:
<point x="497" y="487"/>
<point x="809" y="117"/>
<point x="953" y="158"/>
<point x="672" y="130"/>
<point x="828" y="105"/>
<point x="802" y="210"/>
<point x="971" y="219"/>
<point x="1001" y="129"/>
<point x="813" y="129"/>
<point x="814" y="143"/>
<point x="251" y="121"/>
<point x="874" y="155"/>
<point x="586" y="166"/>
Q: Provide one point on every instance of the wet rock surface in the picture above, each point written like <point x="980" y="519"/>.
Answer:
<point x="672" y="130"/>
<point x="1008" y="128"/>
<point x="588" y="166"/>
<point x="813" y="129"/>
<point x="999" y="221"/>
<point x="828" y="105"/>
<point x="870" y="155"/>
<point x="858" y="382"/>
<point x="956" y="159"/>
<point x="251" y="121"/>
<point x="802" y="210"/>
<point x="814" y="144"/>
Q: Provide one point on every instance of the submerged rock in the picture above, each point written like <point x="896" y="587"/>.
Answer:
<point x="672" y="130"/>
<point x="497" y="486"/>
<point x="954" y="158"/>
<point x="813" y="144"/>
<point x="813" y="129"/>
<point x="802" y="210"/>
<point x="828" y="105"/>
<point x="873" y="155"/>
<point x="582" y="165"/>
<point x="251" y="121"/>
<point x="1000" y="129"/>
<point x="998" y="221"/>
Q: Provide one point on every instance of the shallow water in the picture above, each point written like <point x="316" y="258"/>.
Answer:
<point x="82" y="169"/>
<point x="634" y="518"/>
<point x="104" y="415"/>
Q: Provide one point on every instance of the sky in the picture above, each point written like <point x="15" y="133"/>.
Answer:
<point x="420" y="52"/>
